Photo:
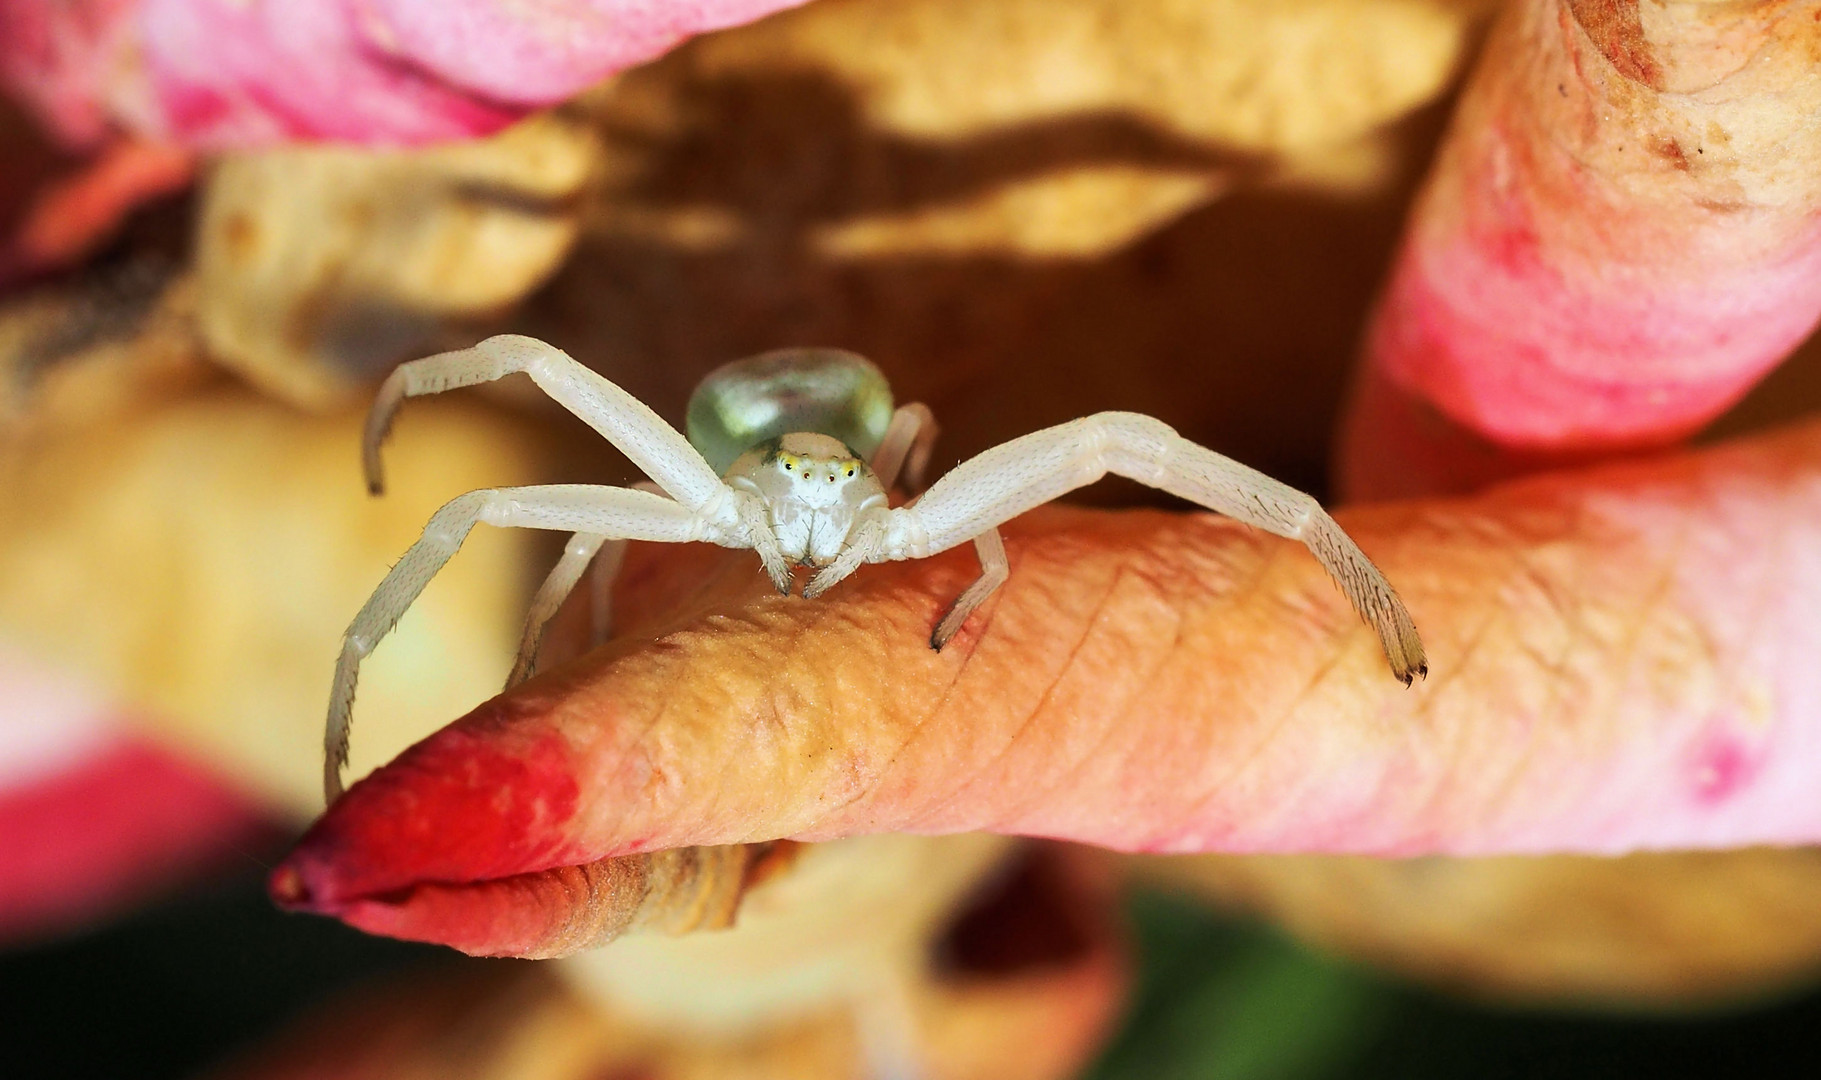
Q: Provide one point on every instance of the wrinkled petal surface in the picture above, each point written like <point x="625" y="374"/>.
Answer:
<point x="1620" y="660"/>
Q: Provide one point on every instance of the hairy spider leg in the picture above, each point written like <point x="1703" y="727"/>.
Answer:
<point x="658" y="449"/>
<point x="583" y="551"/>
<point x="1017" y="476"/>
<point x="606" y="511"/>
<point x="697" y="494"/>
<point x="995" y="568"/>
<point x="908" y="441"/>
<point x="578" y="554"/>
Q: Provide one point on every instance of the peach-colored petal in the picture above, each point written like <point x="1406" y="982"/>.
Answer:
<point x="1620" y="661"/>
<point x="559" y="911"/>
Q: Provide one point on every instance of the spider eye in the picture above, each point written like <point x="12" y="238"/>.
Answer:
<point x="831" y="478"/>
<point x="850" y="472"/>
<point x="788" y="466"/>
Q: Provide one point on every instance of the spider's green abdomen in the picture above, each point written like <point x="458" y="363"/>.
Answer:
<point x="826" y="391"/>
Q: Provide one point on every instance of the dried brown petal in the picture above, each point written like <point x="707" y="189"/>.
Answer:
<point x="320" y="268"/>
<point x="196" y="550"/>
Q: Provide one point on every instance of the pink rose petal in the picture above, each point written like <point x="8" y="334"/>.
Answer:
<point x="93" y="817"/>
<point x="225" y="73"/>
<point x="1622" y="232"/>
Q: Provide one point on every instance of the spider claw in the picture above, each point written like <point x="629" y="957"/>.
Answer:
<point x="822" y="582"/>
<point x="374" y="472"/>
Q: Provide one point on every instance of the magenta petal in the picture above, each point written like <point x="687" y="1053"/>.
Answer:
<point x="123" y="822"/>
<point x="92" y="817"/>
<point x="60" y="57"/>
<point x="233" y="73"/>
<point x="239" y="74"/>
<point x="533" y="54"/>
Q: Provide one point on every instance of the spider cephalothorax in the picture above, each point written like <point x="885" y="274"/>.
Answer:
<point x="814" y="487"/>
<point x="791" y="454"/>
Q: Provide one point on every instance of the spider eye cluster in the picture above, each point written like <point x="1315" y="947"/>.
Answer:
<point x="809" y="468"/>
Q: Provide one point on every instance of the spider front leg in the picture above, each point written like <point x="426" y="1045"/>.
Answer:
<point x="579" y="555"/>
<point x="869" y="539"/>
<point x="657" y="448"/>
<point x="603" y="511"/>
<point x="1020" y="475"/>
<point x="653" y="445"/>
<point x="583" y="552"/>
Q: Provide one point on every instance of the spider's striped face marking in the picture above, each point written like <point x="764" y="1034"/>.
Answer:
<point x="813" y="487"/>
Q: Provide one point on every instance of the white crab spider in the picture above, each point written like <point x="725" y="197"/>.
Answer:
<point x="793" y="487"/>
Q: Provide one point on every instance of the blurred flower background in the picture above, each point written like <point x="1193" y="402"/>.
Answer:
<point x="1396" y="252"/>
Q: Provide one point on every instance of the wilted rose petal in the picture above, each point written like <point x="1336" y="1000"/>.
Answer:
<point x="220" y="73"/>
<point x="61" y="58"/>
<point x="1019" y="980"/>
<point x="1619" y="661"/>
<point x="1623" y="230"/>
<point x="534" y="54"/>
<point x="1619" y="238"/>
<point x="563" y="910"/>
